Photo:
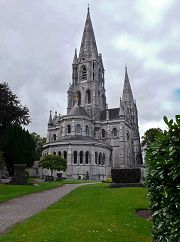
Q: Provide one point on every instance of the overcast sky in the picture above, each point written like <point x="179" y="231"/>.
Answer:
<point x="38" y="38"/>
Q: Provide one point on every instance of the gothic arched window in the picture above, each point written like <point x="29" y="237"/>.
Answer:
<point x="81" y="157"/>
<point x="65" y="155"/>
<point x="54" y="137"/>
<point x="99" y="75"/>
<point x="87" y="157"/>
<point x="75" y="157"/>
<point x="84" y="72"/>
<point x="103" y="159"/>
<point x="114" y="132"/>
<point x="127" y="134"/>
<point x="87" y="129"/>
<point x="59" y="153"/>
<point x="54" y="153"/>
<point x="88" y="96"/>
<point x="78" y="129"/>
<point x="103" y="133"/>
<point x="100" y="158"/>
<point x="78" y="97"/>
<point x="96" y="157"/>
<point x="68" y="128"/>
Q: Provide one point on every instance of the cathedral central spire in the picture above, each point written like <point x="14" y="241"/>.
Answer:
<point x="88" y="47"/>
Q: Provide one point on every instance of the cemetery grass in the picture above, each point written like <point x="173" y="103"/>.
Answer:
<point x="8" y="191"/>
<point x="90" y="213"/>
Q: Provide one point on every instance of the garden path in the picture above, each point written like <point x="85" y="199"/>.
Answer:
<point x="19" y="209"/>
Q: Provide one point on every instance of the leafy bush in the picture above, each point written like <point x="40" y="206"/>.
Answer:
<point x="108" y="180"/>
<point x="126" y="175"/>
<point x="53" y="162"/>
<point x="162" y="180"/>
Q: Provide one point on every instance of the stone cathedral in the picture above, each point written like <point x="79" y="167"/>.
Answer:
<point x="91" y="137"/>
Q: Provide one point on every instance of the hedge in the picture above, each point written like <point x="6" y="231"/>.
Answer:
<point x="163" y="182"/>
<point x="126" y="175"/>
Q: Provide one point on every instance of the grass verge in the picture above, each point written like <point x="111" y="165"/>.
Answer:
<point x="88" y="214"/>
<point x="8" y="191"/>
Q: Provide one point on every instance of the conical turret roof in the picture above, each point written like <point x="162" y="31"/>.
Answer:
<point x="77" y="110"/>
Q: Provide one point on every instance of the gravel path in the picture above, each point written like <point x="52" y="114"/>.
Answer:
<point x="19" y="209"/>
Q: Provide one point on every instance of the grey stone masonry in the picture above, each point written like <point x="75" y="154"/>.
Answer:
<point x="92" y="137"/>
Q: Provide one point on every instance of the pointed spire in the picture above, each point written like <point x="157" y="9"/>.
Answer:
<point x="88" y="47"/>
<point x="50" y="122"/>
<point x="75" y="57"/>
<point x="127" y="92"/>
<point x="121" y="109"/>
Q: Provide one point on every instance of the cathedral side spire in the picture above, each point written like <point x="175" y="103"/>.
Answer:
<point x="75" y="57"/>
<point x="127" y="96"/>
<point x="88" y="47"/>
<point x="50" y="122"/>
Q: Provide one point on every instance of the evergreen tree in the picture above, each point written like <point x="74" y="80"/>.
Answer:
<point x="11" y="110"/>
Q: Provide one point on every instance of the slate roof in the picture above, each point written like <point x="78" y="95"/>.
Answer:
<point x="77" y="110"/>
<point x="113" y="114"/>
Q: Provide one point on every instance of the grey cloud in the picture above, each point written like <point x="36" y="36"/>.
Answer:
<point x="37" y="46"/>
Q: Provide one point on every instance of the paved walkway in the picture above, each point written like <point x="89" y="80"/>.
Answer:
<point x="19" y="209"/>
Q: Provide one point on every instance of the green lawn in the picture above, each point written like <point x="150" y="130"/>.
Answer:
<point x="11" y="191"/>
<point x="88" y="214"/>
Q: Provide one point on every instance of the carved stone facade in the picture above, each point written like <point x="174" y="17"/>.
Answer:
<point x="92" y="137"/>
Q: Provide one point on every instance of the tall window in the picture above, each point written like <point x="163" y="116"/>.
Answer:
<point x="54" y="153"/>
<point x="69" y="129"/>
<point x="87" y="157"/>
<point x="96" y="157"/>
<point x="59" y="153"/>
<point x="103" y="159"/>
<point x="78" y="129"/>
<point x="75" y="157"/>
<point x="100" y="158"/>
<point x="65" y="155"/>
<point x="87" y="129"/>
<point x="88" y="96"/>
<point x="84" y="72"/>
<point x="54" y="137"/>
<point x="99" y="75"/>
<point x="114" y="132"/>
<point x="81" y="157"/>
<point x="103" y="133"/>
<point x="78" y="97"/>
<point x="127" y="134"/>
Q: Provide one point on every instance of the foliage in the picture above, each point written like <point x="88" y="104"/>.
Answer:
<point x="162" y="180"/>
<point x="149" y="137"/>
<point x="53" y="162"/>
<point x="11" y="110"/>
<point x="2" y="160"/>
<point x="108" y="180"/>
<point x="17" y="145"/>
<point x="90" y="213"/>
<point x="126" y="175"/>
<point x="39" y="142"/>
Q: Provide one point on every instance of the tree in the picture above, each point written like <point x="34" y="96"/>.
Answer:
<point x="39" y="142"/>
<point x="53" y="162"/>
<point x="2" y="161"/>
<point x="17" y="145"/>
<point x="11" y="110"/>
<point x="162" y="162"/>
<point x="149" y="137"/>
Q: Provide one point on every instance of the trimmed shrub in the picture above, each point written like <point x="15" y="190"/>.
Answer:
<point x="108" y="180"/>
<point x="162" y="180"/>
<point x="126" y="175"/>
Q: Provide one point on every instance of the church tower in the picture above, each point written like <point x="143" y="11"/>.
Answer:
<point x="87" y="85"/>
